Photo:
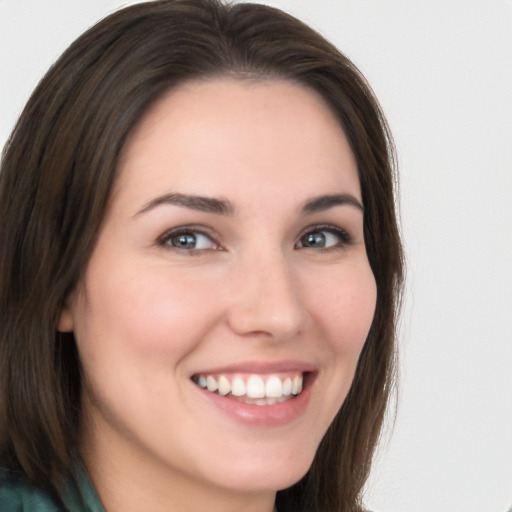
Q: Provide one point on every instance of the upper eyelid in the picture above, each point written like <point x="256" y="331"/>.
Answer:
<point x="333" y="228"/>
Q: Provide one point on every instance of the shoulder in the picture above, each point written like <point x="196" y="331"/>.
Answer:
<point x="18" y="496"/>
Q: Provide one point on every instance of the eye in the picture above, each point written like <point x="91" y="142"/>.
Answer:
<point x="187" y="239"/>
<point x="321" y="237"/>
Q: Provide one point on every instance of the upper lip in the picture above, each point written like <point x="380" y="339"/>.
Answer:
<point x="261" y="367"/>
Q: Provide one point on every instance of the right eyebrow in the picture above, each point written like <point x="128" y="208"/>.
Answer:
<point x="194" y="202"/>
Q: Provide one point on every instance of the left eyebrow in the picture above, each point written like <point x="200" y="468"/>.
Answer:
<point x="322" y="203"/>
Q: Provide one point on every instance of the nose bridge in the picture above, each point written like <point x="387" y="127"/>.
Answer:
<point x="267" y="298"/>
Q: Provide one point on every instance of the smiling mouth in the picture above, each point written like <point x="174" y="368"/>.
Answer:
<point x="252" y="388"/>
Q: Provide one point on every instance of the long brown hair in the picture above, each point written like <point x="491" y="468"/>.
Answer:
<point x="55" y="181"/>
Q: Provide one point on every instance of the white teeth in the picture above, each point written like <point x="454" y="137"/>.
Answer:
<point x="238" y="387"/>
<point x="211" y="384"/>
<point x="255" y="387"/>
<point x="272" y="391"/>
<point x="287" y="386"/>
<point x="224" y="385"/>
<point x="297" y="383"/>
<point x="274" y="388"/>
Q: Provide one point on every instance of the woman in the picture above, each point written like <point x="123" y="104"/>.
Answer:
<point x="200" y="270"/>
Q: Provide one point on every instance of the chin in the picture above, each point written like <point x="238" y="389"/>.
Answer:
<point x="263" y="474"/>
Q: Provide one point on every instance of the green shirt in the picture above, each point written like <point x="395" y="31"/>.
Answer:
<point x="17" y="496"/>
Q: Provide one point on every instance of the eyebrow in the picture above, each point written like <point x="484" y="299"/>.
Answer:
<point x="199" y="203"/>
<point x="224" y="207"/>
<point x="322" y="203"/>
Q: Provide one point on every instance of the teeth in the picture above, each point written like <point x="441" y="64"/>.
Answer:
<point x="238" y="387"/>
<point x="211" y="384"/>
<point x="261" y="392"/>
<point x="287" y="386"/>
<point x="297" y="382"/>
<point x="224" y="385"/>
<point x="255" y="387"/>
<point x="274" y="388"/>
<point x="202" y="381"/>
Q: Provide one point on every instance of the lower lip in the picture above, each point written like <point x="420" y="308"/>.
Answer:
<point x="273" y="415"/>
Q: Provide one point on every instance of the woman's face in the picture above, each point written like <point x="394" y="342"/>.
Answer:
<point x="231" y="257"/>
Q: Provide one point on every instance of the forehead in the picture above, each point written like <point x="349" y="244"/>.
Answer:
<point x="250" y="135"/>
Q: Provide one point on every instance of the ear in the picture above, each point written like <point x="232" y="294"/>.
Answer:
<point x="65" y="323"/>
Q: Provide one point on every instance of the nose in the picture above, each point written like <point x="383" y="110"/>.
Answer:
<point x="266" y="299"/>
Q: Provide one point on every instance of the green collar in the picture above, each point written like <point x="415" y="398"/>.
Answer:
<point x="89" y="498"/>
<point x="17" y="495"/>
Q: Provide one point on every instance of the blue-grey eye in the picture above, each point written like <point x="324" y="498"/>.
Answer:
<point x="191" y="240"/>
<point x="323" y="239"/>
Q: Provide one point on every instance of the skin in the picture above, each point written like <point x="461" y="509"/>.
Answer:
<point x="148" y="315"/>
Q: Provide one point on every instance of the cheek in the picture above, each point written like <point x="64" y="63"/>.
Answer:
<point x="346" y="308"/>
<point x="345" y="312"/>
<point x="148" y="316"/>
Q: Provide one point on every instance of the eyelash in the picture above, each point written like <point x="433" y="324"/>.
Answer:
<point x="344" y="238"/>
<point x="165" y="240"/>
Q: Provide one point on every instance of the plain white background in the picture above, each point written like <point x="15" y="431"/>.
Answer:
<point x="442" y="70"/>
